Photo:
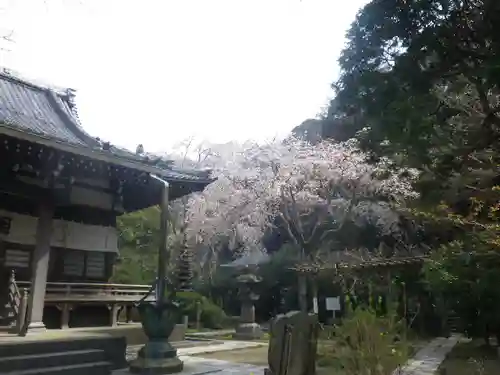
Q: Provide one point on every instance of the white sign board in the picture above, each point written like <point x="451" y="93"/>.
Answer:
<point x="333" y="303"/>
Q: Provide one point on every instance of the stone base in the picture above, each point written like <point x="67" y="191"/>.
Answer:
<point x="157" y="357"/>
<point x="203" y="366"/>
<point x="156" y="366"/>
<point x="248" y="331"/>
<point x="34" y="328"/>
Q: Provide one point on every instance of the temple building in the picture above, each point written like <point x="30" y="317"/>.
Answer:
<point x="61" y="191"/>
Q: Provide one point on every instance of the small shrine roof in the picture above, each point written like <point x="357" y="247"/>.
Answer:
<point x="47" y="115"/>
<point x="362" y="265"/>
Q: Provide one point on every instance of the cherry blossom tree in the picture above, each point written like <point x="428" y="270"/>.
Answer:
<point x="310" y="190"/>
<point x="186" y="155"/>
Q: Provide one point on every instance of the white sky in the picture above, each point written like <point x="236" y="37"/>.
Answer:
<point x="158" y="71"/>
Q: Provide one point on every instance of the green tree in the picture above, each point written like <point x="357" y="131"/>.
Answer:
<point x="138" y="241"/>
<point x="400" y="58"/>
<point x="420" y="84"/>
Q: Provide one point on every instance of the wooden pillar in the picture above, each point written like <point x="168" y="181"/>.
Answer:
<point x="113" y="314"/>
<point x="389" y="293"/>
<point x="128" y="313"/>
<point x="302" y="291"/>
<point x="40" y="267"/>
<point x="21" y="317"/>
<point x="65" y="315"/>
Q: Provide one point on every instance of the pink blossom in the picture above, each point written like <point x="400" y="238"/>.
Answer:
<point x="257" y="183"/>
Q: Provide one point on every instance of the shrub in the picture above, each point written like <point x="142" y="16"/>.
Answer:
<point x="367" y="344"/>
<point x="212" y="316"/>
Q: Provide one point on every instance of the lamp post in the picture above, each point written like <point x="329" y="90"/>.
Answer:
<point x="159" y="318"/>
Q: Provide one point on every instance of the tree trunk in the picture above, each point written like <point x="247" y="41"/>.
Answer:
<point x="302" y="289"/>
<point x="314" y="287"/>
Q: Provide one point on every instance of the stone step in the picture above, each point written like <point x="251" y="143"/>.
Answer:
<point x="113" y="347"/>
<point x="57" y="359"/>
<point x="96" y="368"/>
<point x="453" y="323"/>
<point x="6" y="321"/>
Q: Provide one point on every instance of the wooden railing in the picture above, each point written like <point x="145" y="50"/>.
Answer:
<point x="59" y="292"/>
<point x="65" y="296"/>
<point x="14" y="296"/>
<point x="15" y="307"/>
<point x="10" y="312"/>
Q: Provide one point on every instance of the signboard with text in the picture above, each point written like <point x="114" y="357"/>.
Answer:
<point x="333" y="303"/>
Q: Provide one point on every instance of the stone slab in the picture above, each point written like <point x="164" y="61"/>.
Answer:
<point x="219" y="346"/>
<point x="220" y="332"/>
<point x="427" y="360"/>
<point x="226" y="368"/>
<point x="202" y="366"/>
<point x="293" y="344"/>
<point x="248" y="331"/>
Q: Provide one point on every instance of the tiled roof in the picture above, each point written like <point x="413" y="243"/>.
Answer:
<point x="41" y="110"/>
<point x="35" y="109"/>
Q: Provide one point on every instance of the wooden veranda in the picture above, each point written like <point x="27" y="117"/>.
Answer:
<point x="66" y="297"/>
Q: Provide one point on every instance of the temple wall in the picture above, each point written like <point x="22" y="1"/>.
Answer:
<point x="65" y="234"/>
<point x="92" y="198"/>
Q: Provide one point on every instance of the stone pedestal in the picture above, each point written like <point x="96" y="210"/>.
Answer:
<point x="157" y="357"/>
<point x="34" y="328"/>
<point x="248" y="331"/>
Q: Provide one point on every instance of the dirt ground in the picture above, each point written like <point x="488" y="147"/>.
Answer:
<point x="471" y="359"/>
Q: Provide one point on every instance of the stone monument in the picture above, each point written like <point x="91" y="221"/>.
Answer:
<point x="293" y="344"/>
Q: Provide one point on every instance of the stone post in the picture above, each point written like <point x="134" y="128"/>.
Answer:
<point x="40" y="267"/>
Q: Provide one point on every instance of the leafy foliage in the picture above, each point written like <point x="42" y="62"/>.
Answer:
<point x="211" y="315"/>
<point x="419" y="84"/>
<point x="139" y="234"/>
<point x="315" y="196"/>
<point x="399" y="53"/>
<point x="367" y="343"/>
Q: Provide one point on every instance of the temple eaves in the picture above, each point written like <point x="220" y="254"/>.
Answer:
<point x="47" y="115"/>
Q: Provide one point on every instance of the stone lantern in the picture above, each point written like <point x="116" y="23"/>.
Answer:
<point x="247" y="280"/>
<point x="247" y="328"/>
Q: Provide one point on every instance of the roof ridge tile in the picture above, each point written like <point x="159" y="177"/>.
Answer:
<point x="33" y="82"/>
